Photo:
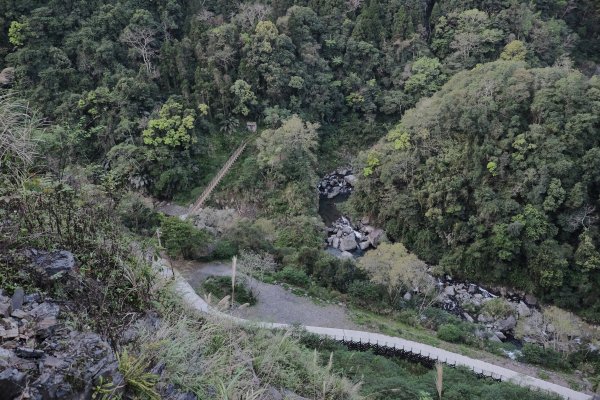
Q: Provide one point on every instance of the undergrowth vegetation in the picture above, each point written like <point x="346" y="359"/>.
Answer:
<point x="389" y="377"/>
<point x="214" y="358"/>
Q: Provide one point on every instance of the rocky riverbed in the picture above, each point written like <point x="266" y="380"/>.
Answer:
<point x="339" y="182"/>
<point x="345" y="239"/>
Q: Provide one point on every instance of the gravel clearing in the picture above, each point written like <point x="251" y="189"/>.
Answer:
<point x="275" y="303"/>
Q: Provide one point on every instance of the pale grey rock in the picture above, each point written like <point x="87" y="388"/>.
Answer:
<point x="348" y="243"/>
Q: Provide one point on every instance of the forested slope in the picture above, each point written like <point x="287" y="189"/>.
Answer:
<point x="497" y="176"/>
<point x="147" y="90"/>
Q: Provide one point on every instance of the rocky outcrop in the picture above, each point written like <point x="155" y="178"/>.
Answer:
<point x="339" y="182"/>
<point x="41" y="358"/>
<point x="349" y="238"/>
<point x="50" y="264"/>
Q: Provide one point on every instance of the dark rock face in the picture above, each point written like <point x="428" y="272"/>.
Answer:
<point x="52" y="263"/>
<point x="12" y="383"/>
<point x="16" y="302"/>
<point x="42" y="359"/>
<point x="339" y="182"/>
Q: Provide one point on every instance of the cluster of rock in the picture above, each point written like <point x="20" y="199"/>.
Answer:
<point x="41" y="358"/>
<point x="468" y="301"/>
<point x="340" y="181"/>
<point x="522" y="317"/>
<point x="346" y="238"/>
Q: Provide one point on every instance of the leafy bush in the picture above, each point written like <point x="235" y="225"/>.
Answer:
<point x="256" y="264"/>
<point x="294" y="276"/>
<point x="452" y="333"/>
<point x="550" y="358"/>
<point x="224" y="249"/>
<point x="434" y="317"/>
<point x="336" y="273"/>
<point x="136" y="216"/>
<point x="409" y="316"/>
<point x="300" y="232"/>
<point x="497" y="308"/>
<point x="246" y="235"/>
<point x="220" y="286"/>
<point x="49" y="214"/>
<point x="366" y="294"/>
<point x="182" y="239"/>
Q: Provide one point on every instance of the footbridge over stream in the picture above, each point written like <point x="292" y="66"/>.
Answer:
<point x="381" y="343"/>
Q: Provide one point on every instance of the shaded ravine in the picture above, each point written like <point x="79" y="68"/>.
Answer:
<point x="192" y="300"/>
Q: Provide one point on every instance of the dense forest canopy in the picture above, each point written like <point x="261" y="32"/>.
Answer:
<point x="495" y="176"/>
<point x="105" y="71"/>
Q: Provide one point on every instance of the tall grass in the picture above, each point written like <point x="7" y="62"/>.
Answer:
<point x="215" y="359"/>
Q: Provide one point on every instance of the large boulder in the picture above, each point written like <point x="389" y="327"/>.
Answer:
<point x="17" y="300"/>
<point x="334" y="192"/>
<point x="348" y="243"/>
<point x="345" y="255"/>
<point x="523" y="310"/>
<point x="351" y="179"/>
<point x="375" y="237"/>
<point x="507" y="324"/>
<point x="7" y="76"/>
<point x="449" y="290"/>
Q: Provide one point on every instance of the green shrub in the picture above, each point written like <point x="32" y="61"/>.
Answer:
<point x="434" y="317"/>
<point x="246" y="235"/>
<point x="136" y="216"/>
<point x="498" y="308"/>
<point x="409" y="316"/>
<point x="336" y="273"/>
<point x="137" y="380"/>
<point x="300" y="232"/>
<point x="293" y="276"/>
<point x="450" y="333"/>
<point x="454" y="333"/>
<point x="550" y="358"/>
<point x="182" y="239"/>
<point x="224" y="249"/>
<point x="220" y="286"/>
<point x="366" y="294"/>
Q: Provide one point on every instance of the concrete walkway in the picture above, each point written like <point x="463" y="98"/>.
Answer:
<point x="195" y="302"/>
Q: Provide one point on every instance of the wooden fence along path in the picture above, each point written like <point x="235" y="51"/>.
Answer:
<point x="379" y="341"/>
<point x="215" y="181"/>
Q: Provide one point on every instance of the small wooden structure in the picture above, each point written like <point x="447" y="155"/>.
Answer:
<point x="251" y="126"/>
